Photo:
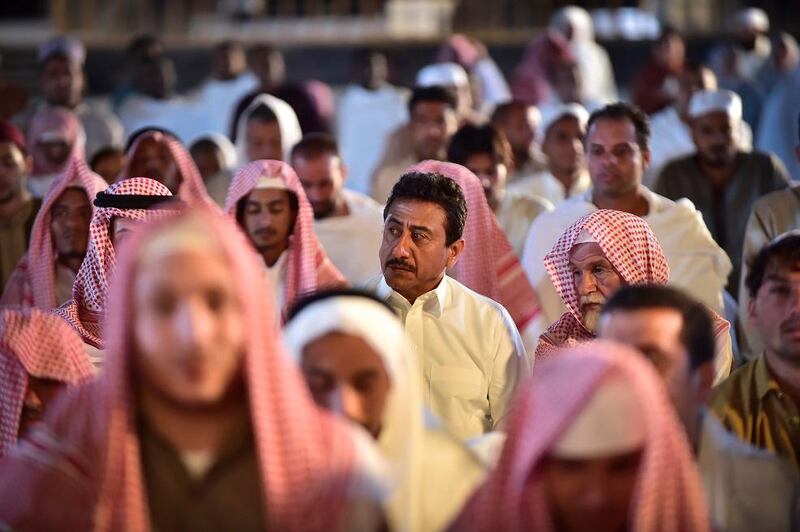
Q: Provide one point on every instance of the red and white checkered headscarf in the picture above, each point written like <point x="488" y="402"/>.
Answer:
<point x="309" y="268"/>
<point x="89" y="439"/>
<point x="488" y="263"/>
<point x="668" y="496"/>
<point x="192" y="189"/>
<point x="85" y="310"/>
<point x="56" y="122"/>
<point x="37" y="268"/>
<point x="629" y="245"/>
<point x="33" y="342"/>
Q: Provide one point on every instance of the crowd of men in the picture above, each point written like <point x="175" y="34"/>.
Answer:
<point x="477" y="304"/>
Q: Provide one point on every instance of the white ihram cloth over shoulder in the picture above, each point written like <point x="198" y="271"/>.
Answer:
<point x="545" y="185"/>
<point x="469" y="351"/>
<point x="365" y="120"/>
<point x="352" y="242"/>
<point x="431" y="473"/>
<point x="216" y="100"/>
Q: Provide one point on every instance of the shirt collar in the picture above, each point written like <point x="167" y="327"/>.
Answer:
<point x="764" y="381"/>
<point x="432" y="302"/>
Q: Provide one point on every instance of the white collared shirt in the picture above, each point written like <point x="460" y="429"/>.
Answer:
<point x="277" y="276"/>
<point x="470" y="352"/>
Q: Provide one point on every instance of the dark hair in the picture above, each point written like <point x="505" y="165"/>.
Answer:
<point x="503" y="111"/>
<point x="668" y="31"/>
<point x="471" y="140"/>
<point x="433" y="188"/>
<point x="323" y="295"/>
<point x="783" y="252"/>
<point x="102" y="153"/>
<point x="240" y="206"/>
<point x="625" y="111"/>
<point x="432" y="94"/>
<point x="262" y="113"/>
<point x="697" y="331"/>
<point x="315" y="145"/>
<point x="203" y="144"/>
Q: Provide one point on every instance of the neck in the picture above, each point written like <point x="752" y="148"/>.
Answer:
<point x="786" y="372"/>
<point x="71" y="262"/>
<point x="634" y="203"/>
<point x="12" y="205"/>
<point x="187" y="429"/>
<point x="341" y="208"/>
<point x="567" y="177"/>
<point x="273" y="253"/>
<point x="521" y="158"/>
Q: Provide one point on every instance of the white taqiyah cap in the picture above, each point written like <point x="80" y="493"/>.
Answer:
<point x="270" y="182"/>
<point x="611" y="423"/>
<point x="553" y="113"/>
<point x="704" y="102"/>
<point x="444" y="74"/>
<point x="752" y="18"/>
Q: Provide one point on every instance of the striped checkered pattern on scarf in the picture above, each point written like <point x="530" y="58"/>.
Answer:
<point x="192" y="189"/>
<point x="668" y="496"/>
<point x="488" y="264"/>
<point x="33" y="342"/>
<point x="308" y="268"/>
<point x="40" y="286"/>
<point x="86" y="308"/>
<point x="305" y="456"/>
<point x="629" y="245"/>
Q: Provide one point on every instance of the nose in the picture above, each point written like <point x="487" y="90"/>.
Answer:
<point x="402" y="248"/>
<point x="347" y="403"/>
<point x="192" y="326"/>
<point x="586" y="284"/>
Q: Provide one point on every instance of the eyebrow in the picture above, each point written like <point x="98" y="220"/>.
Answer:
<point x="392" y="219"/>
<point x="626" y="143"/>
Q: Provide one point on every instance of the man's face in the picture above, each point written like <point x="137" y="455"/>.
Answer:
<point x="432" y="125"/>
<point x="322" y="178"/>
<point x="492" y="174"/>
<point x="153" y="159"/>
<point x="62" y="82"/>
<point x="590" y="494"/>
<point x="227" y="62"/>
<point x="656" y="333"/>
<point x="775" y="311"/>
<point x="563" y="145"/>
<point x="616" y="162"/>
<point x="519" y="126"/>
<point x="715" y="138"/>
<point x="566" y="82"/>
<point x="121" y="230"/>
<point x="414" y="254"/>
<point x="38" y="396"/>
<point x="54" y="152"/>
<point x="595" y="278"/>
<point x="347" y="376"/>
<point x="69" y="223"/>
<point x="268" y="218"/>
<point x="691" y="81"/>
<point x="188" y="327"/>
<point x="109" y="167"/>
<point x="14" y="165"/>
<point x="269" y="67"/>
<point x="263" y="140"/>
<point x="208" y="161"/>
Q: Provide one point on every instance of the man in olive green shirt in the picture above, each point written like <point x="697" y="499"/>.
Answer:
<point x="17" y="207"/>
<point x="760" y="401"/>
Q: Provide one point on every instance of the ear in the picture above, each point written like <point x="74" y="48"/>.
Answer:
<point x="454" y="251"/>
<point x="702" y="379"/>
<point x="646" y="159"/>
<point x="28" y="164"/>
<point x="752" y="312"/>
<point x="344" y="171"/>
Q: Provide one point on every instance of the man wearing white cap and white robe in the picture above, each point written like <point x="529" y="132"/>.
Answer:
<point x="720" y="179"/>
<point x="367" y="113"/>
<point x="561" y="132"/>
<point x="617" y="155"/>
<point x="671" y="137"/>
<point x="752" y="29"/>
